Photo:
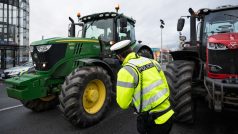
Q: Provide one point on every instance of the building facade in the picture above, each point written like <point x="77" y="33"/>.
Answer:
<point x="166" y="56"/>
<point x="14" y="32"/>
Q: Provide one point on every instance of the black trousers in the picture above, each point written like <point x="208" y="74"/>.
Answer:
<point x="149" y="127"/>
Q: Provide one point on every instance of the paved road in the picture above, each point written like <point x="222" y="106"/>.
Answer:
<point x="4" y="100"/>
<point x="22" y="121"/>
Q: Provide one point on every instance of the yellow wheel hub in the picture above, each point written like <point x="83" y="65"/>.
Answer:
<point x="48" y="98"/>
<point x="94" y="96"/>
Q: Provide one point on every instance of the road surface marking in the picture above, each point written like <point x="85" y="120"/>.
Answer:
<point x="4" y="109"/>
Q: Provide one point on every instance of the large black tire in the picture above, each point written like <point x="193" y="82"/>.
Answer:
<point x="77" y="106"/>
<point x="42" y="104"/>
<point x="179" y="76"/>
<point x="145" y="53"/>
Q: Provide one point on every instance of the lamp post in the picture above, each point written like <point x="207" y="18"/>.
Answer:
<point x="161" y="27"/>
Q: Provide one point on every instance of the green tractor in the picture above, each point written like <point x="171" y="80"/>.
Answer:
<point x="79" y="73"/>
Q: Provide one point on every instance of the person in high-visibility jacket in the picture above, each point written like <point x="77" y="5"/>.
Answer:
<point x="142" y="83"/>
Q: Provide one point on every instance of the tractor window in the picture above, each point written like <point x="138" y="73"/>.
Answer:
<point x="129" y="34"/>
<point x="198" y="30"/>
<point x="220" y="22"/>
<point x="99" y="28"/>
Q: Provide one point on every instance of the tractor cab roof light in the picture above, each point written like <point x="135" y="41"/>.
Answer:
<point x="117" y="7"/>
<point x="78" y="15"/>
<point x="113" y="15"/>
<point x="107" y="15"/>
<point x="205" y="10"/>
<point x="101" y="15"/>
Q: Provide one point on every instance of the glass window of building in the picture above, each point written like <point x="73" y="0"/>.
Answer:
<point x="14" y="32"/>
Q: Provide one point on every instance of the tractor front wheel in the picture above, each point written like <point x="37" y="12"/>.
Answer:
<point x="85" y="95"/>
<point x="42" y="104"/>
<point x="179" y="77"/>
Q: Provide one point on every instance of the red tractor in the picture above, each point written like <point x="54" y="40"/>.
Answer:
<point x="207" y="65"/>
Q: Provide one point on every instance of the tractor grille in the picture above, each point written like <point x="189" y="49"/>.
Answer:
<point x="226" y="59"/>
<point x="49" y="58"/>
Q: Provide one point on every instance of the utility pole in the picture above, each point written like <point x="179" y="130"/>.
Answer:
<point x="161" y="27"/>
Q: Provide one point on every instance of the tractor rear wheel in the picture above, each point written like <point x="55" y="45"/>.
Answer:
<point x="85" y="95"/>
<point x="42" y="104"/>
<point x="179" y="77"/>
<point x="145" y="53"/>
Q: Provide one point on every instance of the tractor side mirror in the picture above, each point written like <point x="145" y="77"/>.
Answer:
<point x="180" y="24"/>
<point x="123" y="22"/>
<point x="71" y="30"/>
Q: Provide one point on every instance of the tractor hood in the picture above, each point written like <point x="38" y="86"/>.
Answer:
<point x="228" y="39"/>
<point x="62" y="40"/>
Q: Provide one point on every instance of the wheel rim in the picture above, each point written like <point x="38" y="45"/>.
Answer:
<point x="94" y="96"/>
<point x="48" y="98"/>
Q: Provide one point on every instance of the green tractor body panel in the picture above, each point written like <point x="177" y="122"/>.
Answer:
<point x="33" y="86"/>
<point x="27" y="87"/>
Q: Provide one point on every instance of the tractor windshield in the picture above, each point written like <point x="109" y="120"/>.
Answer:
<point x="220" y="22"/>
<point x="99" y="28"/>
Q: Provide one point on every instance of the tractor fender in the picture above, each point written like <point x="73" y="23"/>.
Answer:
<point x="101" y="64"/>
<point x="185" y="55"/>
<point x="138" y="47"/>
<point x="190" y="56"/>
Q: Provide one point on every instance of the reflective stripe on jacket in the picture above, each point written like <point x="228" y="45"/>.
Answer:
<point x="139" y="71"/>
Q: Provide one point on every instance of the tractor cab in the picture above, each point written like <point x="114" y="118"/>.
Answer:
<point x="207" y="22"/>
<point x="109" y="27"/>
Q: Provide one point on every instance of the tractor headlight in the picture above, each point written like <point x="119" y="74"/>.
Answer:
<point x="216" y="46"/>
<point x="43" y="65"/>
<point x="43" y="48"/>
<point x="221" y="47"/>
<point x="211" y="46"/>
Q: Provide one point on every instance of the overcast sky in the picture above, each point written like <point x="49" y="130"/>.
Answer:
<point x="49" y="18"/>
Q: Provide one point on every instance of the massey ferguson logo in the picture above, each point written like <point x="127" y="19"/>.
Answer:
<point x="233" y="43"/>
<point x="232" y="38"/>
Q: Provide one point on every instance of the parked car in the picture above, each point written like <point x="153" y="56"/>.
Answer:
<point x="18" y="70"/>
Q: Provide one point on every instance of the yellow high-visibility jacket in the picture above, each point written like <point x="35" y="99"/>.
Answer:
<point x="140" y="71"/>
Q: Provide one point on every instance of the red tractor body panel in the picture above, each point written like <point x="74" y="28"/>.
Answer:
<point x="222" y="56"/>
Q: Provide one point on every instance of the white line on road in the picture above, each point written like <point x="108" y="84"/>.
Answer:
<point x="4" y="109"/>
